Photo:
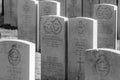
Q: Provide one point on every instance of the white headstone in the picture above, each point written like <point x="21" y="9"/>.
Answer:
<point x="38" y="66"/>
<point x="10" y="12"/>
<point x="82" y="35"/>
<point x="17" y="60"/>
<point x="88" y="6"/>
<point x="73" y="8"/>
<point x="8" y="33"/>
<point x="106" y="14"/>
<point x="62" y="7"/>
<point x="1" y="12"/>
<point x="47" y="7"/>
<point x="27" y="25"/>
<point x="102" y="64"/>
<point x="118" y="30"/>
<point x="53" y="47"/>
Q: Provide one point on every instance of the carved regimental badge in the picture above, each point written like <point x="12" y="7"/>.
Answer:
<point x="47" y="10"/>
<point x="14" y="56"/>
<point x="102" y="65"/>
<point x="53" y="26"/>
<point x="104" y="12"/>
<point x="81" y="28"/>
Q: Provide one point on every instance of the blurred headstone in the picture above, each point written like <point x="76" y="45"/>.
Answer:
<point x="82" y="35"/>
<point x="106" y="14"/>
<point x="17" y="59"/>
<point x="53" y="47"/>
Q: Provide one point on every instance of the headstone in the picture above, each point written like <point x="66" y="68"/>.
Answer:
<point x="109" y="1"/>
<point x="73" y="8"/>
<point x="38" y="66"/>
<point x="106" y="14"/>
<point x="10" y="12"/>
<point x="102" y="64"/>
<point x="1" y="12"/>
<point x="118" y="30"/>
<point x="62" y="7"/>
<point x="88" y="6"/>
<point x="17" y="59"/>
<point x="47" y="7"/>
<point x="82" y="35"/>
<point x="27" y="25"/>
<point x="7" y="33"/>
<point x="118" y="45"/>
<point x="53" y="47"/>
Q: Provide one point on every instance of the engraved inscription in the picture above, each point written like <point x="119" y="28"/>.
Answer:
<point x="106" y="42"/>
<point x="26" y="7"/>
<point x="53" y="26"/>
<point x="79" y="46"/>
<point x="81" y="75"/>
<point x="52" y="41"/>
<point x="106" y="27"/>
<point x="52" y="69"/>
<point x="15" y="73"/>
<point x="104" y="12"/>
<point x="14" y="56"/>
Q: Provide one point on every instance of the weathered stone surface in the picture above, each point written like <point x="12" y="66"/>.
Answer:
<point x="102" y="64"/>
<point x="88" y="6"/>
<point x="27" y="26"/>
<point x="53" y="47"/>
<point x="73" y="8"/>
<point x="109" y="1"/>
<point x="81" y="36"/>
<point x="10" y="12"/>
<point x="47" y="7"/>
<point x="106" y="14"/>
<point x="16" y="60"/>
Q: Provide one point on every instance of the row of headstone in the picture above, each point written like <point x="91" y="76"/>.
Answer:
<point x="64" y="42"/>
<point x="97" y="64"/>
<point x="27" y="17"/>
<point x="53" y="34"/>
